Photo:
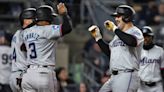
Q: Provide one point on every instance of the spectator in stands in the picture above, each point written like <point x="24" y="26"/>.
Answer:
<point x="63" y="79"/>
<point x="160" y="28"/>
<point x="83" y="87"/>
<point x="104" y="78"/>
<point x="97" y="57"/>
<point x="88" y="45"/>
<point x="160" y="18"/>
<point x="150" y="13"/>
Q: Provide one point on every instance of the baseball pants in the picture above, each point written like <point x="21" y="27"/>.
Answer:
<point x="39" y="79"/>
<point x="122" y="82"/>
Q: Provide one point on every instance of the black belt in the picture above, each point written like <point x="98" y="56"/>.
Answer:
<point x="18" y="71"/>
<point x="150" y="84"/>
<point x="39" y="66"/>
<point x="116" y="72"/>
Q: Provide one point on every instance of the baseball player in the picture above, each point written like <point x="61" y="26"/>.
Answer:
<point x="124" y="51"/>
<point x="19" y="63"/>
<point x="40" y="42"/>
<point x="5" y="63"/>
<point x="151" y="64"/>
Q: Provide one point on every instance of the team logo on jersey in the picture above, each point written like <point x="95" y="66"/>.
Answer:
<point x="145" y="60"/>
<point x="118" y="43"/>
<point x="56" y="27"/>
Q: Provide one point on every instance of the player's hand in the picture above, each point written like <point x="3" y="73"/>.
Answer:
<point x="62" y="9"/>
<point x="110" y="25"/>
<point x="95" y="32"/>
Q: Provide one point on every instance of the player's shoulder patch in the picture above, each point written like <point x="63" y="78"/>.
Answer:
<point x="56" y="27"/>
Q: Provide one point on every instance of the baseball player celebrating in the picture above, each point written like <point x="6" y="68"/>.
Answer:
<point x="151" y="64"/>
<point x="40" y="42"/>
<point x="5" y="63"/>
<point x="125" y="51"/>
<point x="19" y="63"/>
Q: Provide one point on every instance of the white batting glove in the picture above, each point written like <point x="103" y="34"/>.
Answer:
<point x="110" y="25"/>
<point x="95" y="32"/>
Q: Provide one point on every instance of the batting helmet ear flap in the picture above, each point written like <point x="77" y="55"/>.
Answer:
<point x="127" y="18"/>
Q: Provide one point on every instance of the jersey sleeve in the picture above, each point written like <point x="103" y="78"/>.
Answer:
<point x="138" y="35"/>
<point x="162" y="60"/>
<point x="53" y="31"/>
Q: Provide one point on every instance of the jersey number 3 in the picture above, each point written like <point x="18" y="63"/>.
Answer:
<point x="33" y="51"/>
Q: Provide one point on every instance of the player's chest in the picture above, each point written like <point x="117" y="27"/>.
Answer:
<point x="149" y="57"/>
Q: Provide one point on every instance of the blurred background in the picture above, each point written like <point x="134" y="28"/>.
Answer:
<point x="81" y="66"/>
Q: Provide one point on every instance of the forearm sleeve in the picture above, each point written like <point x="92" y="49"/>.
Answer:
<point x="67" y="24"/>
<point x="162" y="73"/>
<point x="104" y="47"/>
<point x="126" y="38"/>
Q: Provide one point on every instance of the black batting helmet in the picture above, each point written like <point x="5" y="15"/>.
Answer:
<point x="126" y="11"/>
<point x="44" y="13"/>
<point x="147" y="31"/>
<point x="29" y="13"/>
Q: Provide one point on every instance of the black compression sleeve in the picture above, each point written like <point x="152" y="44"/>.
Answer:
<point x="162" y="74"/>
<point x="67" y="24"/>
<point x="104" y="47"/>
<point x="126" y="38"/>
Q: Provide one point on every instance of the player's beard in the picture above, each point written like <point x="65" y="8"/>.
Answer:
<point x="148" y="46"/>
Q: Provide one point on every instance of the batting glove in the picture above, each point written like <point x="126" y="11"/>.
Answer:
<point x="110" y="25"/>
<point x="95" y="32"/>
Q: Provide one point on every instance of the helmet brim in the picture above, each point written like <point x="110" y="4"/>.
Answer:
<point x="115" y="14"/>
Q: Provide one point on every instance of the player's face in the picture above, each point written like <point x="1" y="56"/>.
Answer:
<point x="148" y="40"/>
<point x="119" y="22"/>
<point x="26" y="22"/>
<point x="2" y="40"/>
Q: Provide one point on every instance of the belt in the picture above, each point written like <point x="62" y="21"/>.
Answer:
<point x="150" y="84"/>
<point x="41" y="66"/>
<point x="18" y="71"/>
<point x="116" y="72"/>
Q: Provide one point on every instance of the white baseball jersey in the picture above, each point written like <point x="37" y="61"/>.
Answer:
<point x="151" y="62"/>
<point x="40" y="44"/>
<point x="5" y="64"/>
<point x="19" y="57"/>
<point x="123" y="56"/>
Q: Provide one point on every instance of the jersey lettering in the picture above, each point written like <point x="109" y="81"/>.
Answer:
<point x="118" y="43"/>
<point x="146" y="60"/>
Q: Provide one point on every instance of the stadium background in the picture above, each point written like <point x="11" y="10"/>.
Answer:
<point x="77" y="52"/>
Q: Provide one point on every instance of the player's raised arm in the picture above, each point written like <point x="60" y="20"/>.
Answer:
<point x="67" y="23"/>
<point x="126" y="38"/>
<point x="95" y="32"/>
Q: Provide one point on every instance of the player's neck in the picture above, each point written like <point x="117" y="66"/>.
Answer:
<point x="43" y="23"/>
<point x="128" y="26"/>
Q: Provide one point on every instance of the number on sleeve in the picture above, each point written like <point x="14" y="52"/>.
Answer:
<point x="33" y="51"/>
<point x="14" y="55"/>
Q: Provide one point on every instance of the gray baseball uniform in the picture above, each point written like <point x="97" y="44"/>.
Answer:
<point x="40" y="43"/>
<point x="5" y="64"/>
<point x="19" y="63"/>
<point x="124" y="64"/>
<point x="151" y="62"/>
